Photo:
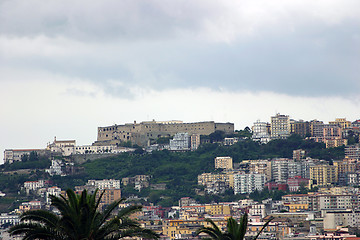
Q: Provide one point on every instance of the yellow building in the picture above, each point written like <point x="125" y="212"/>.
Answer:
<point x="297" y="207"/>
<point x="322" y="175"/>
<point x="335" y="142"/>
<point x="341" y="122"/>
<point x="336" y="190"/>
<point x="208" y="178"/>
<point x="224" y="163"/>
<point x="217" y="209"/>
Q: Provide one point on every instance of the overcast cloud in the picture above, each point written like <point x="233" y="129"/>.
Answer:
<point x="67" y="67"/>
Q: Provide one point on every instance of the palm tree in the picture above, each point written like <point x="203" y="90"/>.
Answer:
<point x="235" y="230"/>
<point x="80" y="219"/>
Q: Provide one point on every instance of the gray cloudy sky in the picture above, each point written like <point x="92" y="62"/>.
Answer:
<point x="67" y="67"/>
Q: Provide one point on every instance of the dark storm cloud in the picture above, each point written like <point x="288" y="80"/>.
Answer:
<point x="293" y="48"/>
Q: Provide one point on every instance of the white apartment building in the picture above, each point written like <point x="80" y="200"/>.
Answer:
<point x="33" y="185"/>
<point x="55" y="168"/>
<point x="279" y="170"/>
<point x="261" y="132"/>
<point x="345" y="217"/>
<point x="56" y="191"/>
<point x="248" y="183"/>
<point x="261" y="210"/>
<point x="280" y="126"/>
<point x="104" y="184"/>
<point x="6" y="218"/>
<point x="283" y="168"/>
<point x="180" y="142"/>
<point x="344" y="201"/>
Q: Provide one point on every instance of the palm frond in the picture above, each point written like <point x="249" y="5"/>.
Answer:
<point x="263" y="227"/>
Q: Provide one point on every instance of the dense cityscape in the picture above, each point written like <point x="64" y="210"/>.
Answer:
<point x="307" y="196"/>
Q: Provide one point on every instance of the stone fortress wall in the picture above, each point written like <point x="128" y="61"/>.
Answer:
<point x="141" y="133"/>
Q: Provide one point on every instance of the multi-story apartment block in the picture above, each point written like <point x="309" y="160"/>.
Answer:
<point x="261" y="132"/>
<point x="335" y="218"/>
<point x="34" y="185"/>
<point x="206" y="179"/>
<point x="142" y="133"/>
<point x="335" y="142"/>
<point x="260" y="166"/>
<point x="296" y="198"/>
<point x="323" y="175"/>
<point x="261" y="210"/>
<point x="316" y="128"/>
<point x="109" y="196"/>
<point x="305" y="167"/>
<point x="332" y="131"/>
<point x="217" y="209"/>
<point x="294" y="169"/>
<point x="104" y="184"/>
<point x="280" y="170"/>
<point x="342" y="169"/>
<point x="300" y="128"/>
<point x="248" y="183"/>
<point x="180" y="142"/>
<point x="280" y="126"/>
<point x="224" y="163"/>
<point x="352" y="152"/>
<point x="332" y="136"/>
<point x="335" y="202"/>
<point x="194" y="141"/>
<point x="341" y="122"/>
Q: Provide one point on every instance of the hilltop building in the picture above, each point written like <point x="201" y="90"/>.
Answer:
<point x="300" y="128"/>
<point x="15" y="155"/>
<point x="142" y="133"/>
<point x="180" y="142"/>
<point x="261" y="132"/>
<point x="280" y="126"/>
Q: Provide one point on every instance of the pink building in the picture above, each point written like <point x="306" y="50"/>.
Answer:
<point x="294" y="183"/>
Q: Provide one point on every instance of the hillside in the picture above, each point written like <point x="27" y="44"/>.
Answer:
<point x="180" y="170"/>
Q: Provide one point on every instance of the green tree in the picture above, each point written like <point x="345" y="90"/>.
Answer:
<point x="80" y="219"/>
<point x="235" y="230"/>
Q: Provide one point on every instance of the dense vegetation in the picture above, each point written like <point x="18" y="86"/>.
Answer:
<point x="179" y="170"/>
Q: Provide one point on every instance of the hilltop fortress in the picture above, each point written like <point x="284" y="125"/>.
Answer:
<point x="142" y="133"/>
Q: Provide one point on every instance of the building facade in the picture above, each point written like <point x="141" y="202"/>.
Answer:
<point x="248" y="183"/>
<point x="280" y="126"/>
<point x="224" y="163"/>
<point x="142" y="133"/>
